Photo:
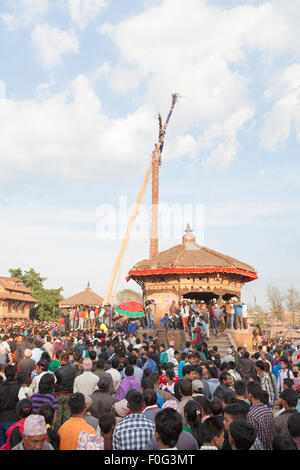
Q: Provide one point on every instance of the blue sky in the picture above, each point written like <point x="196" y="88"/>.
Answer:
<point x="81" y="83"/>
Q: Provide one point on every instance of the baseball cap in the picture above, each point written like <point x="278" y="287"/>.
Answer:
<point x="197" y="385"/>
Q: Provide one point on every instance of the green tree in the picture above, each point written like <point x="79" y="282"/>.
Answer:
<point x="275" y="300"/>
<point x="47" y="299"/>
<point x="30" y="279"/>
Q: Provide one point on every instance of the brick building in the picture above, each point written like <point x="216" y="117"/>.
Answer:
<point x="15" y="299"/>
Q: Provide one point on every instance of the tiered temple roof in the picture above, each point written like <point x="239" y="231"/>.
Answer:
<point x="12" y="289"/>
<point x="87" y="298"/>
<point x="189" y="257"/>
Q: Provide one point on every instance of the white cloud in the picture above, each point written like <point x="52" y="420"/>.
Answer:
<point x="52" y="44"/>
<point x="103" y="70"/>
<point x="285" y="112"/>
<point x="68" y="135"/>
<point x="2" y="90"/>
<point x="54" y="243"/>
<point x="84" y="11"/>
<point x="222" y="155"/>
<point x="245" y="213"/>
<point x="24" y="13"/>
<point x="193" y="48"/>
<point x="9" y="20"/>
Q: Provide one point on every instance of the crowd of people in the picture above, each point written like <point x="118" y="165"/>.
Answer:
<point x="96" y="388"/>
<point x="186" y="314"/>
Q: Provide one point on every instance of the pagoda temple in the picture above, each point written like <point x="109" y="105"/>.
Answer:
<point x="15" y="299"/>
<point x="88" y="298"/>
<point x="190" y="271"/>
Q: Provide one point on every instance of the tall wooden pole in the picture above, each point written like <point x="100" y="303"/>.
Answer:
<point x="156" y="162"/>
<point x="155" y="200"/>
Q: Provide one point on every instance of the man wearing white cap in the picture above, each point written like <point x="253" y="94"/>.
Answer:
<point x="34" y="434"/>
<point x="27" y="365"/>
<point x="170" y="351"/>
<point x="229" y="357"/>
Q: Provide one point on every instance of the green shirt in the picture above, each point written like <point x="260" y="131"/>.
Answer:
<point x="54" y="365"/>
<point x="163" y="357"/>
<point x="187" y="429"/>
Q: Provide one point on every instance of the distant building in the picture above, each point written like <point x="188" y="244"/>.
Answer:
<point x="88" y="298"/>
<point x="15" y="299"/>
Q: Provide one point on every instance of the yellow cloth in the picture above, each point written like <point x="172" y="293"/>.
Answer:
<point x="103" y="327"/>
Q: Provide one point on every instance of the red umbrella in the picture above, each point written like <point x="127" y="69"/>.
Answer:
<point x="131" y="309"/>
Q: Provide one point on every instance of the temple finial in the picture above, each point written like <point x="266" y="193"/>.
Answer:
<point x="188" y="229"/>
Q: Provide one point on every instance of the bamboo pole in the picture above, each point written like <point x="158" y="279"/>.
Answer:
<point x="139" y="200"/>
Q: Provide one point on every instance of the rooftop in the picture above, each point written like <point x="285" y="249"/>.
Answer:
<point x="12" y="289"/>
<point x="87" y="298"/>
<point x="189" y="257"/>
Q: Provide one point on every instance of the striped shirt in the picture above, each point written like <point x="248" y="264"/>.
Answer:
<point x="267" y="386"/>
<point x="39" y="399"/>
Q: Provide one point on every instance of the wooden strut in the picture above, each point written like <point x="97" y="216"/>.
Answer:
<point x="156" y="157"/>
<point x="127" y="235"/>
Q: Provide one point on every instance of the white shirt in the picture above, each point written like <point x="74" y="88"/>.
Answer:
<point x="116" y="377"/>
<point x="287" y="374"/>
<point x="208" y="448"/>
<point x="23" y="391"/>
<point x="36" y="380"/>
<point x="170" y="353"/>
<point x="7" y="346"/>
<point x="228" y="358"/>
<point x="86" y="383"/>
<point x="186" y="311"/>
<point x="169" y="387"/>
<point x="49" y="348"/>
<point x="36" y="354"/>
